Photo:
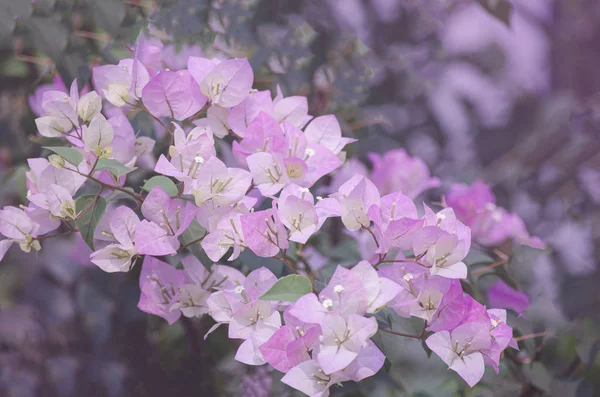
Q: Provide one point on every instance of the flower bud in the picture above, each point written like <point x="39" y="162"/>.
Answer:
<point x="57" y="161"/>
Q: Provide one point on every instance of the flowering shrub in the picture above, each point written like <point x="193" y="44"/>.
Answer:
<point x="257" y="196"/>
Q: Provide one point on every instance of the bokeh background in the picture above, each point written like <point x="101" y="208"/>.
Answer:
<point x="498" y="90"/>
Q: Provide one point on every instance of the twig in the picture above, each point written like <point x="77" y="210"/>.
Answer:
<point x="531" y="336"/>
<point x="193" y="242"/>
<point x="503" y="260"/>
<point x="282" y="257"/>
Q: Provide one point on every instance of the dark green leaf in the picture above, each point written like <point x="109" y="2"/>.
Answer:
<point x="94" y="208"/>
<point x="109" y="14"/>
<point x="192" y="233"/>
<point x="49" y="36"/>
<point x="288" y="289"/>
<point x="73" y="156"/>
<point x="162" y="181"/>
<point x="500" y="9"/>
<point x="10" y="11"/>
<point x="114" y="167"/>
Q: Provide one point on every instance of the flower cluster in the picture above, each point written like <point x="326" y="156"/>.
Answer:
<point x="259" y="199"/>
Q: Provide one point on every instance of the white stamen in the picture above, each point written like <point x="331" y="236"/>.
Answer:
<point x="199" y="159"/>
<point x="338" y="289"/>
<point x="407" y="277"/>
<point x="327" y="303"/>
<point x="239" y="289"/>
<point x="310" y="152"/>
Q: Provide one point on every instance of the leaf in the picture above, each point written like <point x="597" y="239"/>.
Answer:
<point x="288" y="289"/>
<point x="192" y="233"/>
<point x="10" y="12"/>
<point x="73" y="156"/>
<point x="114" y="167"/>
<point x="162" y="181"/>
<point x="94" y="208"/>
<point x="500" y="9"/>
<point x="49" y="36"/>
<point x="109" y="14"/>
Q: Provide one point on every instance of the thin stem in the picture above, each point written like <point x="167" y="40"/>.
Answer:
<point x="91" y="204"/>
<point x="57" y="234"/>
<point x="193" y="242"/>
<point x="503" y="260"/>
<point x="106" y="185"/>
<point x="531" y="336"/>
<point x="404" y="261"/>
<point x="389" y="331"/>
<point x="282" y="257"/>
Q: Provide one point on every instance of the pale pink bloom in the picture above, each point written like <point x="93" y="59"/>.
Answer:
<point x="356" y="197"/>
<point x="159" y="283"/>
<point x="326" y="131"/>
<point x="264" y="233"/>
<point x="117" y="257"/>
<point x="293" y="109"/>
<point x="343" y="339"/>
<point x="263" y="134"/>
<point x="379" y="290"/>
<point x="503" y="296"/>
<point x="227" y="234"/>
<point x="461" y="349"/>
<point x="241" y="116"/>
<point x="219" y="184"/>
<point x="396" y="171"/>
<point x="344" y="295"/>
<point x="310" y="379"/>
<point x="173" y="94"/>
<point x="268" y="172"/>
<point x="228" y="83"/>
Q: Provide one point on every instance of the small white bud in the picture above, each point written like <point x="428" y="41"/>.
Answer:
<point x="338" y="289"/>
<point x="407" y="277"/>
<point x="239" y="289"/>
<point x="327" y="303"/>
<point x="310" y="152"/>
<point x="199" y="159"/>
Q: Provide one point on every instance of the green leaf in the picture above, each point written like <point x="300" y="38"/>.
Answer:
<point x="73" y="156"/>
<point x="288" y="289"/>
<point x="192" y="233"/>
<point x="114" y="167"/>
<point x="162" y="181"/>
<point x="49" y="36"/>
<point x="94" y="210"/>
<point x="499" y="9"/>
<point x="109" y="14"/>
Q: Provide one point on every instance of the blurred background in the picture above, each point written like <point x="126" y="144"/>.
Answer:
<point x="498" y="90"/>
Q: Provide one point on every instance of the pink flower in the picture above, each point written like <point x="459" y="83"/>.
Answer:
<point x="159" y="283"/>
<point x="461" y="349"/>
<point x="355" y="198"/>
<point x="117" y="257"/>
<point x="310" y="379"/>
<point x="343" y="339"/>
<point x="173" y="94"/>
<point x="221" y="185"/>
<point x="228" y="83"/>
<point x="242" y="116"/>
<point x="396" y="171"/>
<point x="326" y="131"/>
<point x="503" y="296"/>
<point x="264" y="233"/>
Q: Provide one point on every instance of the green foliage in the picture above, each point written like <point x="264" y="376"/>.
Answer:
<point x="288" y="289"/>
<point x="90" y="209"/>
<point x="114" y="167"/>
<point x="71" y="155"/>
<point x="165" y="183"/>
